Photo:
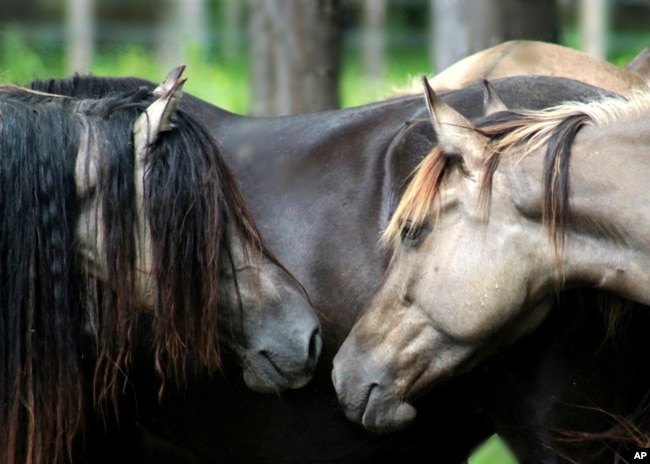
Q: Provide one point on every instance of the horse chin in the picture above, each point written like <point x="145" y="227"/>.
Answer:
<point x="385" y="413"/>
<point x="264" y="383"/>
<point x="267" y="385"/>
<point x="262" y="374"/>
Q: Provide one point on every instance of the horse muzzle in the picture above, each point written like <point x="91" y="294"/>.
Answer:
<point x="366" y="393"/>
<point x="279" y="366"/>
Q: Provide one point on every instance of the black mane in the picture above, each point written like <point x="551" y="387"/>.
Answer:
<point x="40" y="313"/>
<point x="40" y="385"/>
<point x="45" y="301"/>
<point x="90" y="86"/>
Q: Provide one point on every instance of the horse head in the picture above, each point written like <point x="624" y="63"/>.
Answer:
<point x="443" y="302"/>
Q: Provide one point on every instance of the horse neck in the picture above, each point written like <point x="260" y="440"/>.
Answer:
<point x="606" y="242"/>
<point x="211" y="116"/>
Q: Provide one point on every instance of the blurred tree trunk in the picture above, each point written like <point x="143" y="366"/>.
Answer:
<point x="463" y="27"/>
<point x="450" y="36"/>
<point x="295" y="54"/>
<point x="232" y="20"/>
<point x="372" y="40"/>
<point x="514" y="19"/>
<point x="593" y="27"/>
<point x="80" y="32"/>
<point x="182" y="30"/>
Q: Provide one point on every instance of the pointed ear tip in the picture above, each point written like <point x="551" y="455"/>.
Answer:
<point x="492" y="99"/>
<point x="430" y="95"/>
<point x="179" y="84"/>
<point x="176" y="72"/>
<point x="426" y="84"/>
<point x="178" y="68"/>
<point x="487" y="85"/>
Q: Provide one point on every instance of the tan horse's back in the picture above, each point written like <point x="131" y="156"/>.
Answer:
<point x="522" y="57"/>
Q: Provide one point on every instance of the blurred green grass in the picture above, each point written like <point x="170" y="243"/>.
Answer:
<point x="226" y="84"/>
<point x="493" y="451"/>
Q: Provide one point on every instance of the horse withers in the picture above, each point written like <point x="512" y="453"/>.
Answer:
<point x="115" y="208"/>
<point x="491" y="227"/>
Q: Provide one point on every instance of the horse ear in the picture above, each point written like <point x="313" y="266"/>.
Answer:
<point x="156" y="118"/>
<point x="170" y="80"/>
<point x="491" y="100"/>
<point x="455" y="133"/>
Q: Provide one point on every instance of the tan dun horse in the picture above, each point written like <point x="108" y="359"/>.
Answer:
<point x="496" y="220"/>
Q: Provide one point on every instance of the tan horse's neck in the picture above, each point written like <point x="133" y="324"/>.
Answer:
<point x="607" y="242"/>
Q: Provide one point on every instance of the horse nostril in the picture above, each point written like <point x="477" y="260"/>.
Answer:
<point x="315" y="345"/>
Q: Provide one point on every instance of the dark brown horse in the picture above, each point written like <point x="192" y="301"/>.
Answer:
<point x="94" y="244"/>
<point x="322" y="187"/>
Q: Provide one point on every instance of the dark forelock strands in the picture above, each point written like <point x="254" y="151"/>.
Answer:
<point x="190" y="201"/>
<point x="41" y="314"/>
<point x="114" y="300"/>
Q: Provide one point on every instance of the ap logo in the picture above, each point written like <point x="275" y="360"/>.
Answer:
<point x="641" y="455"/>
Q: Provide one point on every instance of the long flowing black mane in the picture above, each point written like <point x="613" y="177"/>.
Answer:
<point x="40" y="385"/>
<point x="47" y="304"/>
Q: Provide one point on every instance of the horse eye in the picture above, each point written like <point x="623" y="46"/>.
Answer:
<point x="411" y="232"/>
